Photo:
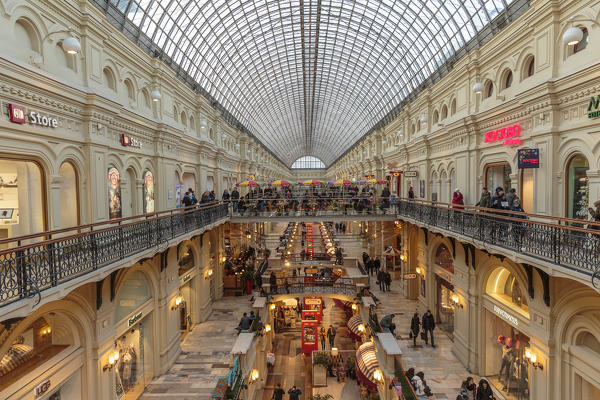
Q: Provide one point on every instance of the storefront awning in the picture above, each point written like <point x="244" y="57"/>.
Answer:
<point x="344" y="305"/>
<point x="353" y="324"/>
<point x="366" y="365"/>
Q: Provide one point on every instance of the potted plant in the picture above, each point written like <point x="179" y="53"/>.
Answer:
<point x="248" y="277"/>
<point x="320" y="362"/>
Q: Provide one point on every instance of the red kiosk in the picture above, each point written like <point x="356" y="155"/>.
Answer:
<point x="310" y="341"/>
<point x="313" y="306"/>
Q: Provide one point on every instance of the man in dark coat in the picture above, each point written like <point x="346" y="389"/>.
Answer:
<point x="278" y="393"/>
<point x="381" y="280"/>
<point x="428" y="327"/>
<point x="294" y="393"/>
<point x="235" y="195"/>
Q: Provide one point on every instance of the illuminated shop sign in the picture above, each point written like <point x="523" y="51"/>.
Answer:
<point x="594" y="108"/>
<point x="395" y="173"/>
<point x="129" y="141"/>
<point x="133" y="320"/>
<point x="510" y="318"/>
<point x="508" y="136"/>
<point x="17" y="116"/>
<point x="411" y="174"/>
<point x="41" y="388"/>
<point x="529" y="158"/>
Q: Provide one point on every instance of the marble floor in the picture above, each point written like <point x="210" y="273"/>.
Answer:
<point x="203" y="359"/>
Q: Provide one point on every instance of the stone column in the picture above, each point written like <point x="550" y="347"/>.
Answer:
<point x="140" y="198"/>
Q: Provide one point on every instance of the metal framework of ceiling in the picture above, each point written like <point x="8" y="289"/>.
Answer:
<point x="310" y="77"/>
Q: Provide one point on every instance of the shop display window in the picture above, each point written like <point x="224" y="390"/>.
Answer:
<point x="503" y="286"/>
<point x="444" y="259"/>
<point x="34" y="346"/>
<point x="148" y="192"/>
<point x="507" y="367"/>
<point x="134" y="293"/>
<point x="114" y="193"/>
<point x="186" y="262"/>
<point x="498" y="175"/>
<point x="22" y="207"/>
<point x="578" y="188"/>
<point x="133" y="368"/>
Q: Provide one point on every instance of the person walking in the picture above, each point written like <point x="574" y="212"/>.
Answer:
<point x="377" y="265"/>
<point x="511" y="196"/>
<point x="235" y="196"/>
<point x="278" y="393"/>
<point x="387" y="323"/>
<point x="428" y="327"/>
<point x="294" y="393"/>
<point x="484" y="199"/>
<point x="381" y="281"/>
<point x="499" y="202"/>
<point x="323" y="336"/>
<point x="331" y="332"/>
<point x="415" y="327"/>
<point x="387" y="280"/>
<point x="484" y="391"/>
<point x="411" y="193"/>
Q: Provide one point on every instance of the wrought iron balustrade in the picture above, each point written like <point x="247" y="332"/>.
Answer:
<point x="51" y="258"/>
<point x="571" y="243"/>
<point x="308" y="284"/>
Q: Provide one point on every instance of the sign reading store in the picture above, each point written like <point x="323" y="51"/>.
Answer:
<point x="18" y="116"/>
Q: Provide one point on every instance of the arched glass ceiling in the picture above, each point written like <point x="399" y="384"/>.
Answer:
<point x="308" y="162"/>
<point x="310" y="76"/>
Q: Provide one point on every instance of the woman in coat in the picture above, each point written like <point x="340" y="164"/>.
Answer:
<point x="415" y="324"/>
<point x="457" y="199"/>
<point x="470" y="388"/>
<point x="484" y="391"/>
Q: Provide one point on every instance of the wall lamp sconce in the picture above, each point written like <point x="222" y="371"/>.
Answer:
<point x="335" y="351"/>
<point x="254" y="375"/>
<point x="272" y="307"/>
<point x="354" y="307"/>
<point x="574" y="34"/>
<point x="154" y="93"/>
<point x="532" y="359"/>
<point x="267" y="328"/>
<point x="112" y="359"/>
<point x="402" y="258"/>
<point x="208" y="273"/>
<point x="287" y="263"/>
<point x="177" y="303"/>
<point x="46" y="331"/>
<point x="223" y="259"/>
<point x="70" y="44"/>
<point x="456" y="301"/>
<point x="419" y="271"/>
<point x="361" y="328"/>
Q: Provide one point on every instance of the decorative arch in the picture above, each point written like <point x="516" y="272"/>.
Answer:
<point x="490" y="272"/>
<point x="444" y="112"/>
<point x="506" y="79"/>
<point x="436" y="117"/>
<point x="453" y="106"/>
<point x="25" y="26"/>
<point x="308" y="162"/>
<point x="488" y="89"/>
<point x="109" y="79"/>
<point x="130" y="87"/>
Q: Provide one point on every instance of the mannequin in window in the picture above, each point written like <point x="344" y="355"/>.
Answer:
<point x="507" y="358"/>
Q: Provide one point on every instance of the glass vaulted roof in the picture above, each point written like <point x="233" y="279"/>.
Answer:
<point x="310" y="77"/>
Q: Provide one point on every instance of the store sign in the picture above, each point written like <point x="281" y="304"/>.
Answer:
<point x="133" y="320"/>
<point x="41" y="388"/>
<point x="129" y="141"/>
<point x="508" y="136"/>
<point x="408" y="277"/>
<point x="443" y="273"/>
<point x="411" y="174"/>
<point x="594" y="108"/>
<point x="312" y="301"/>
<point x="529" y="158"/>
<point x="510" y="318"/>
<point x="395" y="173"/>
<point x="17" y="115"/>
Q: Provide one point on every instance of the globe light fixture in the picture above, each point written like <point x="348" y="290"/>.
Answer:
<point x="572" y="36"/>
<point x="155" y="95"/>
<point x="71" y="45"/>
<point x="478" y="88"/>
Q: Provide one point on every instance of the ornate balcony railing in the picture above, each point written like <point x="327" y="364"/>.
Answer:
<point x="308" y="284"/>
<point x="51" y="258"/>
<point x="570" y="243"/>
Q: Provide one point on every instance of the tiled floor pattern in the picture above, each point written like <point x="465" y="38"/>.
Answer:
<point x="205" y="355"/>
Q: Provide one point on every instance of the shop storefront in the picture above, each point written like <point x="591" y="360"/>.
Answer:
<point x="187" y="277"/>
<point x="507" y="338"/>
<point x="133" y="367"/>
<point x="497" y="175"/>
<point x="444" y="275"/>
<point x="577" y="187"/>
<point x="45" y="359"/>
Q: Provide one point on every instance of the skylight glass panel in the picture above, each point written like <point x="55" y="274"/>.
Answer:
<point x="302" y="95"/>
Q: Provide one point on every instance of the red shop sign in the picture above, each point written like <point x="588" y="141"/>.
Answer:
<point x="508" y="136"/>
<point x="17" y="114"/>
